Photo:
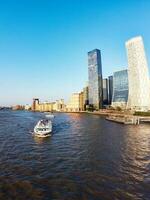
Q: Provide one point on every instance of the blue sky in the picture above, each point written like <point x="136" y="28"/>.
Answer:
<point x="44" y="43"/>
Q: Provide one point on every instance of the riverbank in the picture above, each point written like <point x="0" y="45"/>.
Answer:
<point x="123" y="117"/>
<point x="106" y="113"/>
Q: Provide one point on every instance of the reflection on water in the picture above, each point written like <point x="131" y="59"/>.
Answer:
<point x="40" y="140"/>
<point x="87" y="158"/>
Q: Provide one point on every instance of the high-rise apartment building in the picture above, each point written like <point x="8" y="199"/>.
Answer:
<point x="139" y="84"/>
<point x="120" y="89"/>
<point x="95" y="78"/>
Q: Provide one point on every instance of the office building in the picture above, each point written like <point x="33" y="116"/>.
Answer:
<point x="120" y="89"/>
<point x="139" y="84"/>
<point x="95" y="78"/>
<point x="105" y="91"/>
<point x="110" y="89"/>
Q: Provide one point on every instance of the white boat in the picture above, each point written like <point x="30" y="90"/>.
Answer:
<point x="43" y="128"/>
<point x="49" y="116"/>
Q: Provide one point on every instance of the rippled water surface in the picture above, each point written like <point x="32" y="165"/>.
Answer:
<point x="87" y="158"/>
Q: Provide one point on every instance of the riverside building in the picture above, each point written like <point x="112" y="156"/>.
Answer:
<point x="110" y="89"/>
<point x="105" y="91"/>
<point x="48" y="106"/>
<point x="86" y="97"/>
<point x="59" y="105"/>
<point x="75" y="103"/>
<point x="120" y="89"/>
<point x="139" y="84"/>
<point x="95" y="78"/>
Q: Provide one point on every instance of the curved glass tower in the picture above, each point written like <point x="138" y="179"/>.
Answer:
<point x="139" y="84"/>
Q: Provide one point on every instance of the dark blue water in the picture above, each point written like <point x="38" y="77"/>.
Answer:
<point x="87" y="158"/>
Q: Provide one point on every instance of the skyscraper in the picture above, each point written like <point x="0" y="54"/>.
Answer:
<point x="95" y="78"/>
<point x="110" y="89"/>
<point x="139" y="84"/>
<point x="120" y="89"/>
<point x="105" y="91"/>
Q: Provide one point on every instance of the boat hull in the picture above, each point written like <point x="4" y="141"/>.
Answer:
<point x="42" y="135"/>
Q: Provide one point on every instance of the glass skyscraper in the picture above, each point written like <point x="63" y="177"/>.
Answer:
<point x="95" y="78"/>
<point x="105" y="91"/>
<point x="120" y="89"/>
<point x="110" y="89"/>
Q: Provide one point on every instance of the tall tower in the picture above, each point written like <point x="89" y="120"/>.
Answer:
<point x="138" y="75"/>
<point x="105" y="91"/>
<point x="110" y="89"/>
<point x="95" y="78"/>
<point x="120" y="89"/>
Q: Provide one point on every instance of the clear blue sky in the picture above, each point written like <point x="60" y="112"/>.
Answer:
<point x="44" y="43"/>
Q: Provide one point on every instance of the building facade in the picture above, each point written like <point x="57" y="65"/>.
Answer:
<point x="75" y="103"/>
<point x="95" y="78"/>
<point x="139" y="87"/>
<point x="120" y="89"/>
<point x="27" y="107"/>
<point x="35" y="104"/>
<point x="105" y="91"/>
<point x="110" y="89"/>
<point x="86" y="97"/>
<point x="48" y="106"/>
<point x="59" y="105"/>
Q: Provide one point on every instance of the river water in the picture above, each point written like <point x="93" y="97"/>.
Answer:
<point x="87" y="158"/>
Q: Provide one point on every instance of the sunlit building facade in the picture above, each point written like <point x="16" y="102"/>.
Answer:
<point x="120" y="89"/>
<point x="75" y="103"/>
<point x="59" y="105"/>
<point x="48" y="106"/>
<point x="95" y="78"/>
<point x="139" y="87"/>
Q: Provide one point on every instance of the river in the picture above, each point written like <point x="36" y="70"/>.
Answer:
<point x="86" y="158"/>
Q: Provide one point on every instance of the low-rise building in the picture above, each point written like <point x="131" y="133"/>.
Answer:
<point x="45" y="107"/>
<point x="48" y="106"/>
<point x="59" y="105"/>
<point x="18" y="107"/>
<point x="27" y="107"/>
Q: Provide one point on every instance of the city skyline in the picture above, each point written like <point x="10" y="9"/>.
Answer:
<point x="42" y="54"/>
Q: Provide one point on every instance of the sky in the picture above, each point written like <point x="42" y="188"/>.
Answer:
<point x="44" y="44"/>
